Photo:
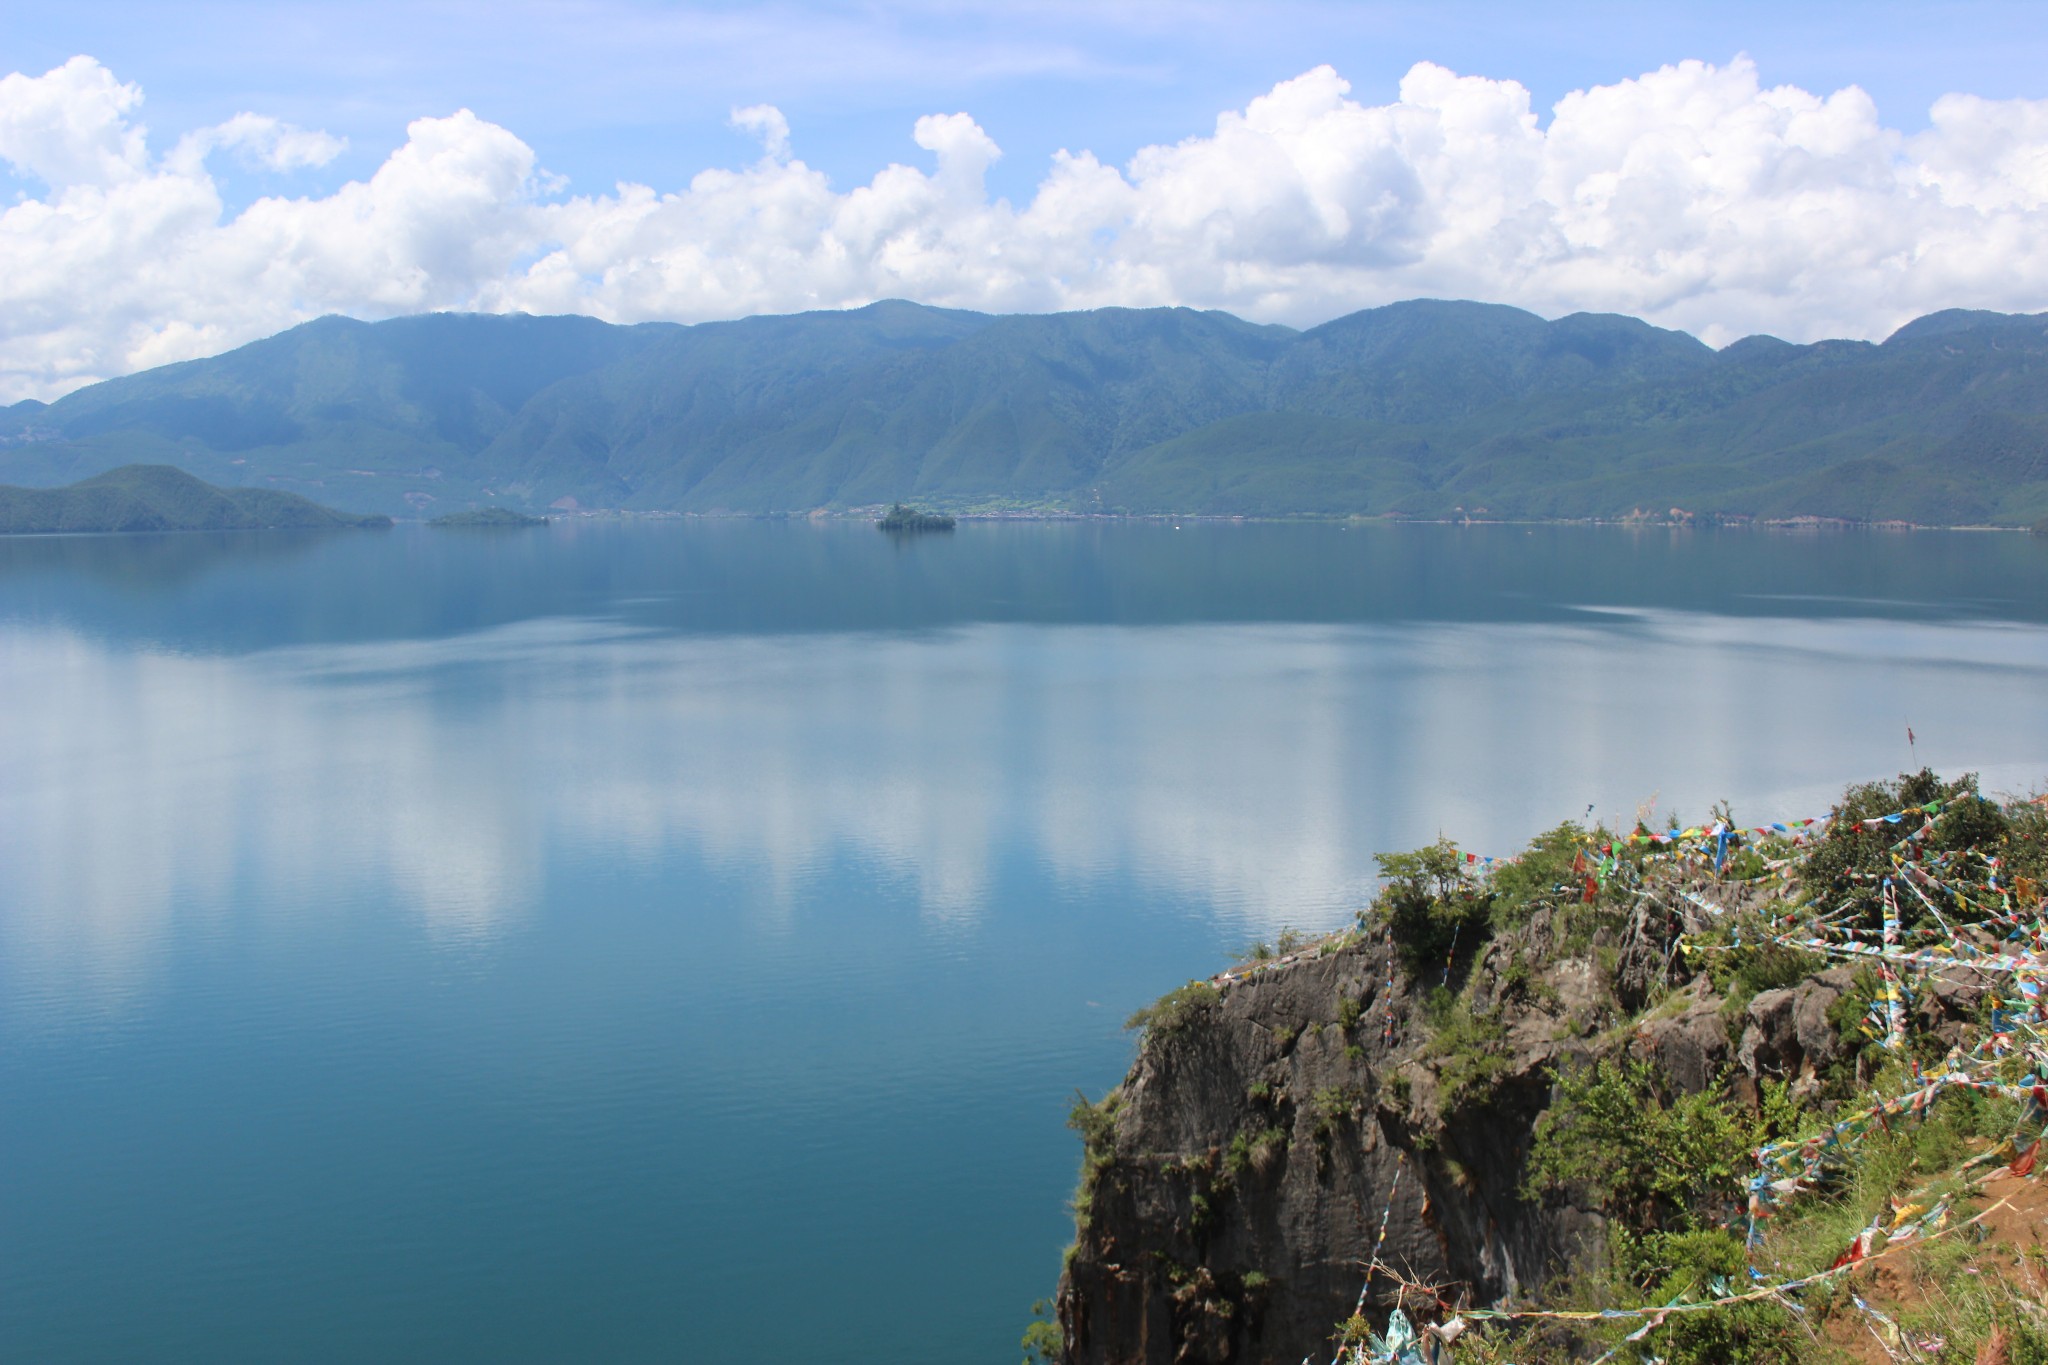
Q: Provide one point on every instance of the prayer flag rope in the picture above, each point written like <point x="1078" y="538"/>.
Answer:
<point x="1924" y="1229"/>
<point x="2007" y="939"/>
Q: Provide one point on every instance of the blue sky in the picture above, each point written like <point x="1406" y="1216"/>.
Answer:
<point x="606" y="90"/>
<point x="187" y="178"/>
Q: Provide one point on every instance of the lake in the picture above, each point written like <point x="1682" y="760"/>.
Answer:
<point x="681" y="940"/>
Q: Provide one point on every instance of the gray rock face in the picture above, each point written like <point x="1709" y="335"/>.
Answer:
<point x="1262" y="1139"/>
<point x="1690" y="1046"/>
<point x="1193" y="1254"/>
<point x="1787" y="1033"/>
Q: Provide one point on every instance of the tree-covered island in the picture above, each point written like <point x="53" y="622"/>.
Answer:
<point x="903" y="518"/>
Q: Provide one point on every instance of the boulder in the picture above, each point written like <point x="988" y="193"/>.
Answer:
<point x="1691" y="1045"/>
<point x="1786" y="1033"/>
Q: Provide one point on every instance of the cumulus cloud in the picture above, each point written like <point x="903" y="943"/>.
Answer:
<point x="262" y="142"/>
<point x="1693" y="195"/>
<point x="70" y="126"/>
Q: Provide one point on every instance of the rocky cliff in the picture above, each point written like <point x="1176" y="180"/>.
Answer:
<point x="1265" y="1133"/>
<point x="1349" y="1125"/>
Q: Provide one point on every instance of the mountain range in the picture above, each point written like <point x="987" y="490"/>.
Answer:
<point x="1422" y="409"/>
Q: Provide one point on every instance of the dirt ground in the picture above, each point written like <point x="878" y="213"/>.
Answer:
<point x="2016" y="1225"/>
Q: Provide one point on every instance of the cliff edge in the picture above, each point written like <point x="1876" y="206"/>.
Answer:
<point x="1528" y="1104"/>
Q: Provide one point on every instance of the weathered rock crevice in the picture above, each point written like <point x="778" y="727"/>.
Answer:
<point x="1266" y="1132"/>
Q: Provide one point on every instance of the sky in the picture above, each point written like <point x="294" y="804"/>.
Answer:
<point x="179" y="180"/>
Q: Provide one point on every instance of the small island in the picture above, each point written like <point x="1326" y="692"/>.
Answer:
<point x="159" y="497"/>
<point x="901" y="518"/>
<point x="487" y="519"/>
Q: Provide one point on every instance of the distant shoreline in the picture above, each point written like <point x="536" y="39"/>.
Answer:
<point x="867" y="515"/>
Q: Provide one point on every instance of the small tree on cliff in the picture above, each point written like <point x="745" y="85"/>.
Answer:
<point x="1429" y="902"/>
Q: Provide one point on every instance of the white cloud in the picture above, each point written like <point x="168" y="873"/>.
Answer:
<point x="70" y="126"/>
<point x="1693" y="195"/>
<point x="765" y="122"/>
<point x="261" y="141"/>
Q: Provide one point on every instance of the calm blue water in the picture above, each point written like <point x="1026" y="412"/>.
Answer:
<point x="680" y="941"/>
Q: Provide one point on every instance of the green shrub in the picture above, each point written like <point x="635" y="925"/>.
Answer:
<point x="1172" y="1011"/>
<point x="1542" y="876"/>
<point x="1703" y="1263"/>
<point x="1430" y="901"/>
<point x="1041" y="1342"/>
<point x="1096" y="1123"/>
<point x="1676" y="1163"/>
<point x="1846" y="866"/>
<point x="1258" y="1150"/>
<point x="1350" y="1010"/>
<point x="1471" y="1049"/>
<point x="2025" y="1341"/>
<point x="2024" y="850"/>
<point x="1332" y="1105"/>
<point x="1746" y="966"/>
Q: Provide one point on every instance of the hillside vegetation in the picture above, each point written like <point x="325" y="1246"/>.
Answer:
<point x="1420" y="409"/>
<point x="1723" y="1095"/>
<point x="160" y="498"/>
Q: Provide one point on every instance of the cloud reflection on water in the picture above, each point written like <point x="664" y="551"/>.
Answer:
<point x="1249" y="771"/>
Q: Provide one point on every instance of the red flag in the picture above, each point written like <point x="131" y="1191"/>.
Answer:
<point x="2024" y="1164"/>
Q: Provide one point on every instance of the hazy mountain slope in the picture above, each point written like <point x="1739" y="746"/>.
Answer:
<point x="413" y="399"/>
<point x="1430" y="360"/>
<point x="1936" y="428"/>
<point x="1423" y="408"/>
<point x="1021" y="406"/>
<point x="666" y="416"/>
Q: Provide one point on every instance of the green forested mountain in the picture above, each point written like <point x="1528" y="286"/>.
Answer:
<point x="160" y="498"/>
<point x="1425" y="409"/>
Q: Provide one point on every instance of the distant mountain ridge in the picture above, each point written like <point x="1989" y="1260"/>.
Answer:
<point x="1422" y="409"/>
<point x="160" y="498"/>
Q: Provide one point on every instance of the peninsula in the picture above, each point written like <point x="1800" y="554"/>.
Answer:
<point x="143" y="497"/>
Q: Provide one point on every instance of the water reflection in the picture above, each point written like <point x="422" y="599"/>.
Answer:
<point x="248" y="592"/>
<point x="415" y="945"/>
<point x="1249" y="770"/>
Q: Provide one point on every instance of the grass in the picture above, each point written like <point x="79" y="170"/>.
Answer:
<point x="1255" y="1151"/>
<point x="1470" y="1048"/>
<point x="1174" y="1010"/>
<point x="1096" y="1123"/>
